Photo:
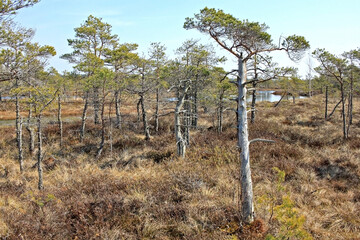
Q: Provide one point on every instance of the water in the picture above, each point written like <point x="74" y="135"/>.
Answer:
<point x="260" y="96"/>
<point x="173" y="99"/>
<point x="7" y="98"/>
<point x="267" y="96"/>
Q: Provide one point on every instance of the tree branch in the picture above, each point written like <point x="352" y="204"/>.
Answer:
<point x="261" y="140"/>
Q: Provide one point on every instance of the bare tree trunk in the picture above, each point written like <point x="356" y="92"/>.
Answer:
<point x="96" y="105"/>
<point x="220" y="112"/>
<point x="102" y="142"/>
<point x="247" y="205"/>
<point x="351" y="101"/>
<point x="332" y="112"/>
<point x="180" y="141"/>
<point x="350" y="106"/>
<point x="253" y="102"/>
<point x="83" y="118"/>
<point x="30" y="130"/>
<point x="138" y="110"/>
<point x="18" y="123"/>
<point x="157" y="110"/>
<point x="195" y="115"/>
<point x="145" y="122"/>
<point x="343" y="112"/>
<point x="187" y="123"/>
<point x="349" y="114"/>
<point x="280" y="100"/>
<point x="60" y="122"/>
<point x="117" y="109"/>
<point x="39" y="155"/>
<point x="111" y="131"/>
<point x="326" y="101"/>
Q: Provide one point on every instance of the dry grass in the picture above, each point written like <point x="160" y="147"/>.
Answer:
<point x="143" y="191"/>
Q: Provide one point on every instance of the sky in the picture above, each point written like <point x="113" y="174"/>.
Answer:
<point x="330" y="24"/>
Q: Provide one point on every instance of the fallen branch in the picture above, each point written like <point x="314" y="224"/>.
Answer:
<point x="261" y="140"/>
<point x="332" y="112"/>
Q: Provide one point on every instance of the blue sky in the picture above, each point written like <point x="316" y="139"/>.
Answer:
<point x="330" y="24"/>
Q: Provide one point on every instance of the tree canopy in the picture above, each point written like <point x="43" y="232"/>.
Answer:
<point x="8" y="7"/>
<point x="240" y="37"/>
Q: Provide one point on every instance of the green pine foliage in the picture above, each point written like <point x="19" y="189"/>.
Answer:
<point x="283" y="211"/>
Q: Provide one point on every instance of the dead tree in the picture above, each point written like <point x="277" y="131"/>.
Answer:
<point x="181" y="141"/>
<point x="83" y="117"/>
<point x="39" y="112"/>
<point x="60" y="123"/>
<point x="18" y="122"/>
<point x="334" y="68"/>
<point x="117" y="96"/>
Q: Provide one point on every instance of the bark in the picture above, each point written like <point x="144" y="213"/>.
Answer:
<point x="326" y="101"/>
<point x="39" y="155"/>
<point x="220" y="112"/>
<point x="60" y="122"/>
<point x="138" y="110"/>
<point x="247" y="211"/>
<point x="111" y="132"/>
<point x="117" y="109"/>
<point x="144" y="118"/>
<point x="349" y="114"/>
<point x="30" y="130"/>
<point x="96" y="103"/>
<point x="102" y="142"/>
<point x="343" y="112"/>
<point x="180" y="141"/>
<point x="350" y="107"/>
<point x="186" y="125"/>
<point x="196" y="107"/>
<point x="351" y="94"/>
<point x="83" y="117"/>
<point x="157" y="110"/>
<point x="18" y="123"/>
<point x="280" y="99"/>
<point x="253" y="102"/>
<point x="332" y="112"/>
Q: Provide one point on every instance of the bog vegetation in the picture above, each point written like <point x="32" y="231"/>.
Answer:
<point x="147" y="147"/>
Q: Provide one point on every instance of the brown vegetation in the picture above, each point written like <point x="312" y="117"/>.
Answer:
<point x="143" y="191"/>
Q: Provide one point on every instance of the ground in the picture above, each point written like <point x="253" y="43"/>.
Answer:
<point x="141" y="190"/>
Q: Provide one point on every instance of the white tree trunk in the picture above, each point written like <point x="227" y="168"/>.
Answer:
<point x="39" y="157"/>
<point x="157" y="110"/>
<point x="220" y="114"/>
<point x="247" y="205"/>
<point x="180" y="141"/>
<point x="144" y="117"/>
<point x="102" y="142"/>
<point x="117" y="109"/>
<point x="30" y="129"/>
<point x="83" y="118"/>
<point x="19" y="132"/>
<point x="343" y="111"/>
<point x="60" y="122"/>
<point x="326" y="102"/>
<point x="96" y="104"/>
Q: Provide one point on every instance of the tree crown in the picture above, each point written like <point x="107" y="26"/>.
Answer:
<point x="240" y="37"/>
